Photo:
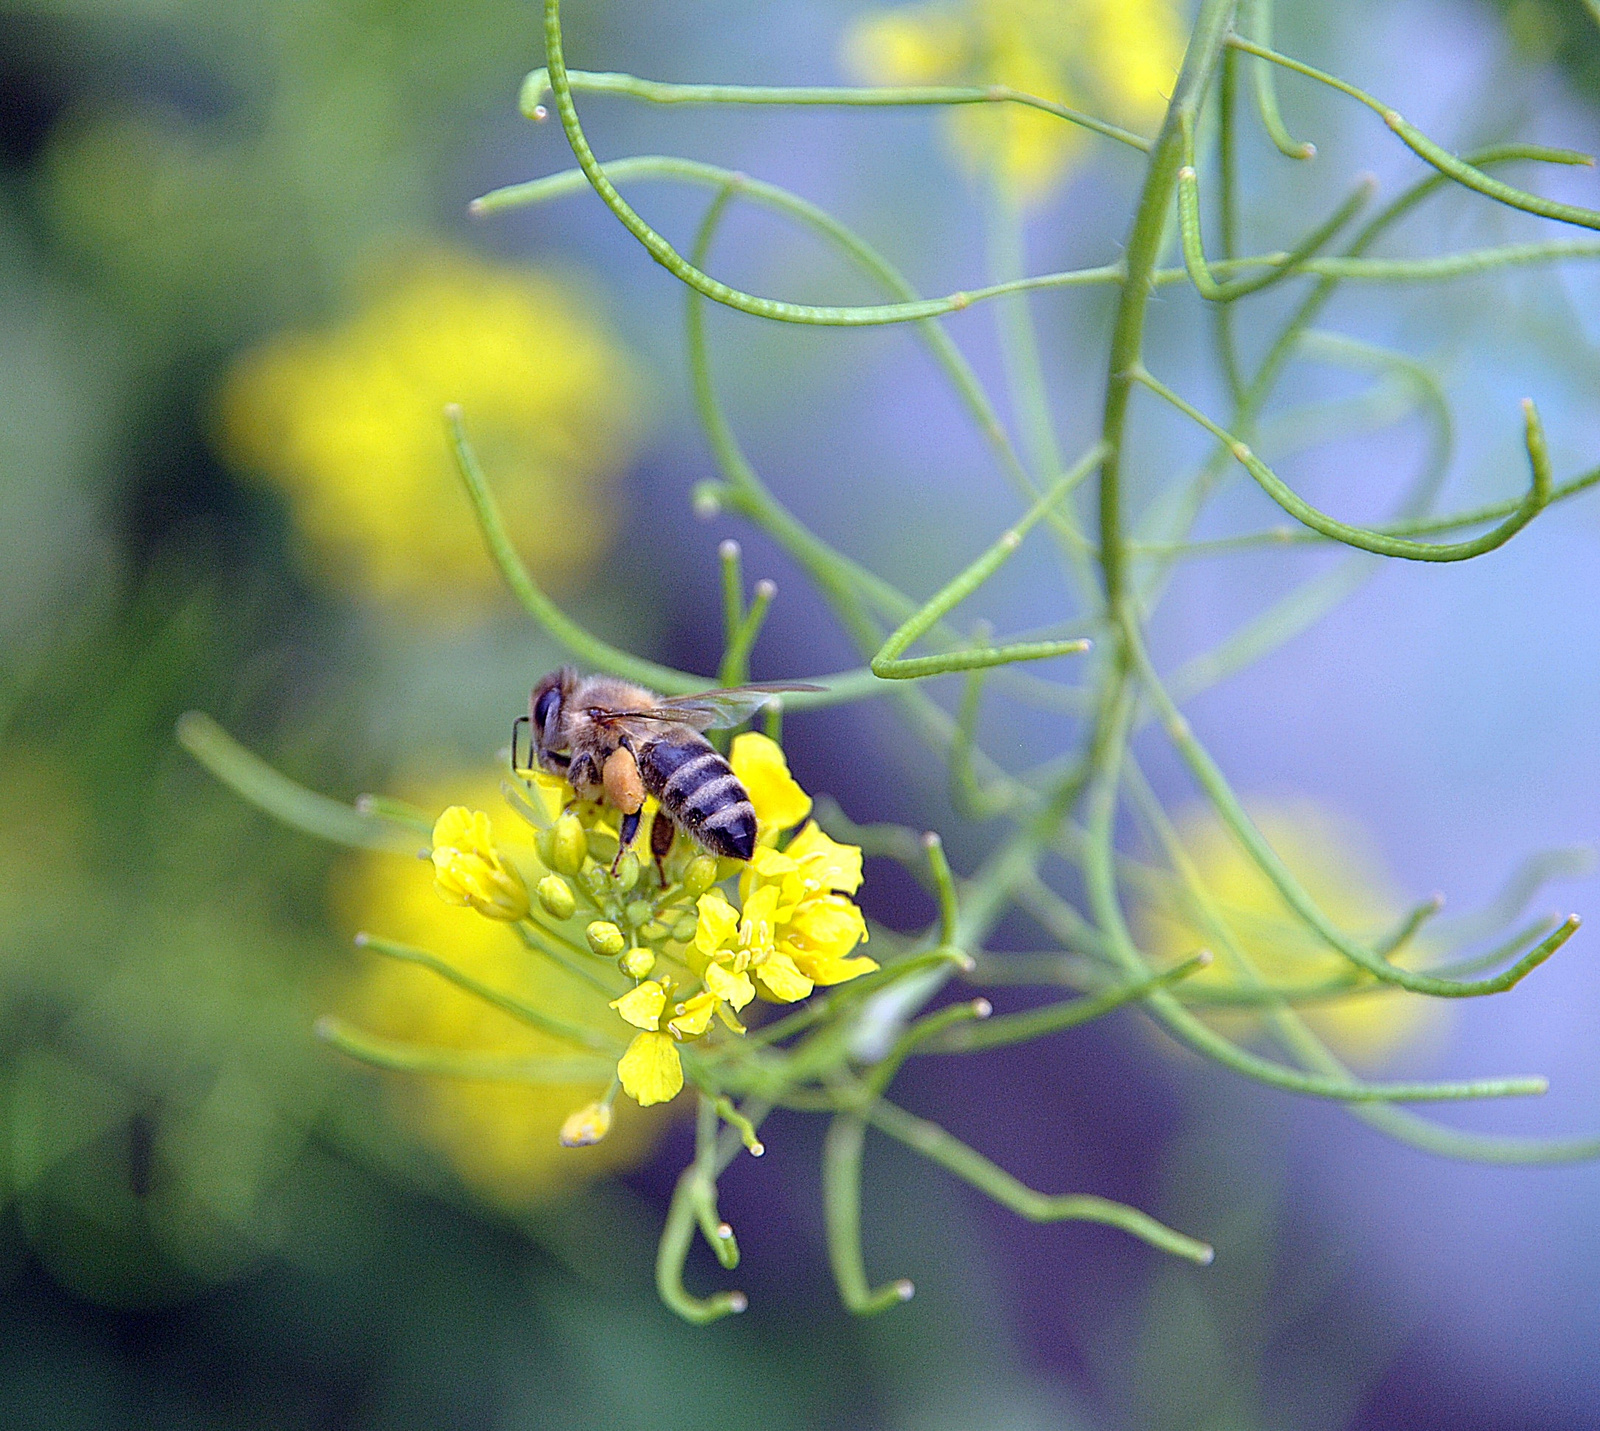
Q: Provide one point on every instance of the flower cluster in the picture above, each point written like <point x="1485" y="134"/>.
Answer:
<point x="1116" y="56"/>
<point x="1266" y="945"/>
<point x="686" y="945"/>
<point x="346" y="422"/>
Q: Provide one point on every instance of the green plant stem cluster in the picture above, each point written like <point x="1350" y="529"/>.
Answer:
<point x="839" y="1053"/>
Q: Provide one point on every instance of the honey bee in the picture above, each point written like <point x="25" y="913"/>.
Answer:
<point x="616" y="742"/>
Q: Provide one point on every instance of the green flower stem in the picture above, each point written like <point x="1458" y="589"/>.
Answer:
<point x="717" y="1233"/>
<point x="1366" y="538"/>
<point x="1468" y="175"/>
<point x="735" y="670"/>
<point x="970" y="798"/>
<point x="1142" y="254"/>
<point x="1288" y="536"/>
<point x="971" y="1166"/>
<point x="741" y="1125"/>
<point x="1222" y="326"/>
<point x="908" y="310"/>
<point x="1435" y="268"/>
<point x="1037" y="1023"/>
<point x="729" y="558"/>
<point x="1520" y="886"/>
<point x="1256" y="16"/>
<point x="841" y="1203"/>
<point x="889" y="663"/>
<point x="537" y="85"/>
<point x="396" y="812"/>
<point x="383" y="1052"/>
<point x="509" y="1003"/>
<point x="1293" y="261"/>
<point x="251" y="777"/>
<point x="944" y="885"/>
<point x="1407" y="1127"/>
<point x="695" y="1185"/>
<point x="1502" y="951"/>
<point x="1233" y="815"/>
<point x="830" y="315"/>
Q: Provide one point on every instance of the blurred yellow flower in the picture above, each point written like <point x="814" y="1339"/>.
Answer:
<point x="1115" y="59"/>
<point x="504" y="1139"/>
<point x="348" y="422"/>
<point x="1337" y="865"/>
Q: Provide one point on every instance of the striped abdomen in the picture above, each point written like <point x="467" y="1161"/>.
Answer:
<point x="699" y="790"/>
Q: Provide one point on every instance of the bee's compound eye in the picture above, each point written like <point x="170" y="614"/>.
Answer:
<point x="543" y="708"/>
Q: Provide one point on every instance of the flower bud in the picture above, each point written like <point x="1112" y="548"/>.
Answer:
<point x="637" y="963"/>
<point x="544" y="844"/>
<point x="683" y="931"/>
<point x="602" y="846"/>
<point x="655" y="931"/>
<point x="627" y="874"/>
<point x="638" y="912"/>
<point x="605" y="938"/>
<point x="587" y="1126"/>
<point x="593" y="878"/>
<point x="700" y="876"/>
<point x="556" y="895"/>
<point x="570" y="845"/>
<point x="468" y="870"/>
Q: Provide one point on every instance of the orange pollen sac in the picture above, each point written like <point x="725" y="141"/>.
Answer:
<point x="624" y="788"/>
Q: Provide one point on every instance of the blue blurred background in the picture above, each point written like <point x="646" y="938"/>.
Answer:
<point x="238" y="284"/>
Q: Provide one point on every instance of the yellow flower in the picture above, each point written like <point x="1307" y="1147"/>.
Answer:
<point x="642" y="1006"/>
<point x="651" y="1071"/>
<point x="501" y="1138"/>
<point x="1114" y="58"/>
<point x="763" y="770"/>
<point x="468" y="870"/>
<point x="347" y="421"/>
<point x="1338" y="867"/>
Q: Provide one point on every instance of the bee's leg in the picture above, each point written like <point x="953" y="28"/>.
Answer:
<point x="661" y="832"/>
<point x="626" y="833"/>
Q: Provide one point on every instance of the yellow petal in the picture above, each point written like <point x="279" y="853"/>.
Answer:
<point x="734" y="988"/>
<point x="762" y="770"/>
<point x="828" y="925"/>
<point x="694" y="1016"/>
<point x="825" y="864"/>
<point x="825" y="969"/>
<point x="642" y="1006"/>
<point x="650" y="1070"/>
<point x="756" y="929"/>
<point x="780" y="976"/>
<point x="717" y="923"/>
<point x="770" y="864"/>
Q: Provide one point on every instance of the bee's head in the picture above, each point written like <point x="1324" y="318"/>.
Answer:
<point x="545" y="708"/>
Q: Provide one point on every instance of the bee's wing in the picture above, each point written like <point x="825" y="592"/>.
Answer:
<point x="710" y="710"/>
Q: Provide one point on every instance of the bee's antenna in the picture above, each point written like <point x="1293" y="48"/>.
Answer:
<point x="520" y="721"/>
